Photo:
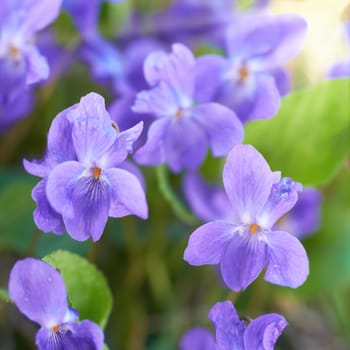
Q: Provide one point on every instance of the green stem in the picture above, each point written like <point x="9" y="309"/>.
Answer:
<point x="177" y="206"/>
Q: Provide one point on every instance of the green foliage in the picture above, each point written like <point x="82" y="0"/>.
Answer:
<point x="16" y="207"/>
<point x="87" y="288"/>
<point x="309" y="139"/>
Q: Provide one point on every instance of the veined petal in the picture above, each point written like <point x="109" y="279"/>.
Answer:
<point x="197" y="338"/>
<point x="208" y="202"/>
<point x="90" y="199"/>
<point x="45" y="217"/>
<point x="153" y="152"/>
<point x="243" y="259"/>
<point x="248" y="181"/>
<point x="185" y="152"/>
<point x="282" y="198"/>
<point x="207" y="243"/>
<point x="175" y="68"/>
<point x="263" y="332"/>
<point x="127" y="195"/>
<point x="287" y="262"/>
<point x="92" y="129"/>
<point x="85" y="335"/>
<point x="221" y="125"/>
<point x="229" y="328"/>
<point x="38" y="291"/>
<point x="60" y="184"/>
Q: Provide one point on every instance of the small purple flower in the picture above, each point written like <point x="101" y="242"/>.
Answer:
<point x="246" y="243"/>
<point x="172" y="101"/>
<point x="232" y="333"/>
<point x="39" y="292"/>
<point x="250" y="80"/>
<point x="83" y="177"/>
<point x="210" y="202"/>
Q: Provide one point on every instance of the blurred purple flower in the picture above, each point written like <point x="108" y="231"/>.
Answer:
<point x="21" y="63"/>
<point x="84" y="181"/>
<point x="232" y="333"/>
<point x="246" y="243"/>
<point x="250" y="80"/>
<point x="172" y="101"/>
<point x="39" y="292"/>
<point x="210" y="202"/>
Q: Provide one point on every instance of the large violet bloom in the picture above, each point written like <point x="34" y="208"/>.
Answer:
<point x="39" y="292"/>
<point x="250" y="80"/>
<point x="172" y="101"/>
<point x="232" y="333"/>
<point x="210" y="202"/>
<point x="84" y="180"/>
<point x="246" y="243"/>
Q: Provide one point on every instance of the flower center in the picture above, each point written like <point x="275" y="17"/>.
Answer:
<point x="15" y="53"/>
<point x="253" y="228"/>
<point x="97" y="172"/>
<point x="56" y="328"/>
<point x="243" y="73"/>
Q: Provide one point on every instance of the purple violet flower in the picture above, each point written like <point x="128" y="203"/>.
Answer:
<point x="246" y="243"/>
<point x="250" y="80"/>
<point x="232" y="333"/>
<point x="83" y="177"/>
<point x="172" y="101"/>
<point x="39" y="292"/>
<point x="210" y="202"/>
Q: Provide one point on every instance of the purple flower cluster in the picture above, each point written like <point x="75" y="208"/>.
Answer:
<point x="39" y="292"/>
<point x="84" y="180"/>
<point x="232" y="333"/>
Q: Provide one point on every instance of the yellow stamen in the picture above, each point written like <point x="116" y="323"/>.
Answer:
<point x="15" y="52"/>
<point x="97" y="172"/>
<point x="56" y="328"/>
<point x="253" y="228"/>
<point x="243" y="73"/>
<point x="178" y="113"/>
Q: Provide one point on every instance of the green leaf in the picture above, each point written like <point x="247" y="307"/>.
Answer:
<point x="4" y="295"/>
<point x="105" y="347"/>
<point x="16" y="208"/>
<point x="87" y="288"/>
<point x="309" y="139"/>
